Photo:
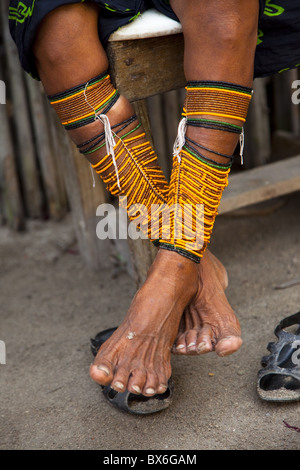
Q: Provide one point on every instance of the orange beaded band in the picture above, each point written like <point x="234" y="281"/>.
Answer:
<point x="78" y="106"/>
<point x="198" y="181"/>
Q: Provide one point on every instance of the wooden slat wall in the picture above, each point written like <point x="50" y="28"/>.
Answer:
<point x="26" y="125"/>
<point x="43" y="176"/>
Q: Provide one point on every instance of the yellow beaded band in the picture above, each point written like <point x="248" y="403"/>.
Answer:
<point x="77" y="106"/>
<point x="218" y="99"/>
<point x="126" y="162"/>
<point x="198" y="181"/>
<point x="197" y="187"/>
<point x="140" y="179"/>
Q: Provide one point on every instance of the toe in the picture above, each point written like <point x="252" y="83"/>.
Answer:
<point x="151" y="385"/>
<point x="162" y="388"/>
<point x="137" y="381"/>
<point x="180" y="345"/>
<point x="191" y="341"/>
<point x="120" y="379"/>
<point x="228" y="345"/>
<point x="163" y="375"/>
<point x="205" y="340"/>
<point x="102" y="373"/>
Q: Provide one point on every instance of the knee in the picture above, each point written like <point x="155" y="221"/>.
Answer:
<point x="51" y="52"/>
<point x="234" y="31"/>
<point x="61" y="32"/>
<point x="224" y="27"/>
<point x="226" y="32"/>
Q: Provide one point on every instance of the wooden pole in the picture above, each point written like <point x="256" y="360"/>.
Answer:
<point x="21" y="123"/>
<point x="10" y="197"/>
<point x="83" y="198"/>
<point x="56" y="205"/>
<point x="257" y="128"/>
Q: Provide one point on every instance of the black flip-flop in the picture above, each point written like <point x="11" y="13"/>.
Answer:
<point x="279" y="380"/>
<point x="126" y="401"/>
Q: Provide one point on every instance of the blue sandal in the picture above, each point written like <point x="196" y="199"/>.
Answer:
<point x="279" y="380"/>
<point x="126" y="401"/>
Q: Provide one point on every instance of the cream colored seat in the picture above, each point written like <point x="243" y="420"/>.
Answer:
<point x="149" y="24"/>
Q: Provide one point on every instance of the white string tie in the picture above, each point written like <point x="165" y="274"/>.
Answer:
<point x="110" y="143"/>
<point x="109" y="138"/>
<point x="180" y="139"/>
<point x="242" y="145"/>
<point x="93" y="178"/>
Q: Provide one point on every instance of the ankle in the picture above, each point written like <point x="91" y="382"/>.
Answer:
<point x="170" y="267"/>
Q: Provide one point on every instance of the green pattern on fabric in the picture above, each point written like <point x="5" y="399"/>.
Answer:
<point x="135" y="16"/>
<point x="21" y="13"/>
<point x="109" y="8"/>
<point x="288" y="68"/>
<point x="260" y="35"/>
<point x="271" y="9"/>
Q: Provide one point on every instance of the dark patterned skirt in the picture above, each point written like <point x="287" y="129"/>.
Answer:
<point x="278" y="45"/>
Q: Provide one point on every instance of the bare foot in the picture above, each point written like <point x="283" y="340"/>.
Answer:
<point x="137" y="357"/>
<point x="209" y="323"/>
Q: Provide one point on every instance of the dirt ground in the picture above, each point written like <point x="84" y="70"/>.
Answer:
<point x="51" y="304"/>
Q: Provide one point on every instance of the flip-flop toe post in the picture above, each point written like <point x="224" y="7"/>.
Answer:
<point x="126" y="401"/>
<point x="279" y="379"/>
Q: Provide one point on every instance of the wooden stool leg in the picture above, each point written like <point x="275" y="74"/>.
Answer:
<point x="142" y="253"/>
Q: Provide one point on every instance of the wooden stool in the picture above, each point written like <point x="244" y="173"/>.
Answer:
<point x="146" y="59"/>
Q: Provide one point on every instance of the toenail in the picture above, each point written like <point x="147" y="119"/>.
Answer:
<point x="191" y="344"/>
<point x="104" y="369"/>
<point x="150" y="391"/>
<point x="119" y="385"/>
<point x="202" y="346"/>
<point x="136" y="388"/>
<point x="180" y="346"/>
<point x="162" y="388"/>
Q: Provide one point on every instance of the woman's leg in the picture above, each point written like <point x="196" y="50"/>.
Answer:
<point x="209" y="322"/>
<point x="65" y="60"/>
<point x="138" y="355"/>
<point x="73" y="66"/>
<point x="220" y="40"/>
<point x="69" y="56"/>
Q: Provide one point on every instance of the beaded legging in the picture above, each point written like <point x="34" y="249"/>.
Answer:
<point x="198" y="180"/>
<point x="129" y="165"/>
<point x="126" y="162"/>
